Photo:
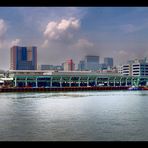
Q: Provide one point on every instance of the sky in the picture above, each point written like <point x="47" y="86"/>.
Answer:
<point x="62" y="33"/>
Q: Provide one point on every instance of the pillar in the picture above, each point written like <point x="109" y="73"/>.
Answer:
<point x="126" y="81"/>
<point x="51" y="82"/>
<point x="132" y="82"/>
<point x="120" y="81"/>
<point x="88" y="81"/>
<point x="70" y="82"/>
<point x="96" y="81"/>
<point x="79" y="82"/>
<point x="26" y="81"/>
<point x="114" y="81"/>
<point x="108" y="82"/>
<point x="15" y="82"/>
<point x="36" y="82"/>
<point x="61" y="82"/>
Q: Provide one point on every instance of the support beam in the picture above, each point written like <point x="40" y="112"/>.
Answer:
<point x="79" y="82"/>
<point x="87" y="81"/>
<point x="120" y="81"/>
<point x="132" y="81"/>
<point x="96" y="81"/>
<point x="114" y="81"/>
<point x="108" y="82"/>
<point x="126" y="82"/>
<point x="15" y="82"/>
<point x="36" y="82"/>
<point x="61" y="82"/>
<point x="70" y="82"/>
<point x="26" y="81"/>
<point x="51" y="82"/>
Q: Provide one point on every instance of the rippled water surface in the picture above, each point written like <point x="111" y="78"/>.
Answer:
<point x="85" y="116"/>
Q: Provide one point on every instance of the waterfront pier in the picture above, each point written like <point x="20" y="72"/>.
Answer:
<point x="48" y="81"/>
<point x="74" y="79"/>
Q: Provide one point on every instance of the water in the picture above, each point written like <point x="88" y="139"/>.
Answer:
<point x="84" y="116"/>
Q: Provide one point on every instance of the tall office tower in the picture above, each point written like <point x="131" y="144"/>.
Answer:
<point x="23" y="58"/>
<point x="91" y="62"/>
<point x="81" y="66"/>
<point x="108" y="61"/>
<point x="69" y="65"/>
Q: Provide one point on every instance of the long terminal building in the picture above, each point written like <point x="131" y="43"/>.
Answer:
<point x="43" y="78"/>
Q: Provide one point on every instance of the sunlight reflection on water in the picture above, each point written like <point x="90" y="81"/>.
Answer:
<point x="111" y="115"/>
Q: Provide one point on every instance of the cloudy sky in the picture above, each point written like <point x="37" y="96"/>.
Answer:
<point x="62" y="33"/>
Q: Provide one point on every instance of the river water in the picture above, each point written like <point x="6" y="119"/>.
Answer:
<point x="74" y="116"/>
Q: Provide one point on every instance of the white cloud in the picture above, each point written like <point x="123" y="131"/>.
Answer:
<point x="7" y="44"/>
<point x="15" y="42"/>
<point x="3" y="28"/>
<point x="62" y="29"/>
<point x="84" y="43"/>
<point x="45" y="44"/>
<point x="65" y="24"/>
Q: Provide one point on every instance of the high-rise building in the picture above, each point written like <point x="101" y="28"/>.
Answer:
<point x="81" y="66"/>
<point x="23" y="58"/>
<point x="91" y="62"/>
<point x="69" y="65"/>
<point x="108" y="61"/>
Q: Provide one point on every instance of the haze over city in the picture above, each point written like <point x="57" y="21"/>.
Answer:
<point x="62" y="33"/>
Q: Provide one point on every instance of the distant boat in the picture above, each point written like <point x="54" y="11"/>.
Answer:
<point x="134" y="88"/>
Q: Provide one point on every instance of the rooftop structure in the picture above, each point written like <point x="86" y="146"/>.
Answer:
<point x="50" y="67"/>
<point x="55" y="72"/>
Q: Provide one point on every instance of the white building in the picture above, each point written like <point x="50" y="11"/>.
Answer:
<point x="135" y="68"/>
<point x="69" y="65"/>
<point x="140" y="69"/>
<point x="126" y="69"/>
<point x="119" y="69"/>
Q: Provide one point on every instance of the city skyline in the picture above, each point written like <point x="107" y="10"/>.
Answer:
<point x="72" y="32"/>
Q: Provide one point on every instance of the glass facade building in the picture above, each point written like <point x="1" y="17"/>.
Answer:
<point x="23" y="58"/>
<point x="91" y="62"/>
<point x="108" y="61"/>
<point x="81" y="66"/>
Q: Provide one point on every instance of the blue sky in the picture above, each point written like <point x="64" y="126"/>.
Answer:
<point x="61" y="33"/>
